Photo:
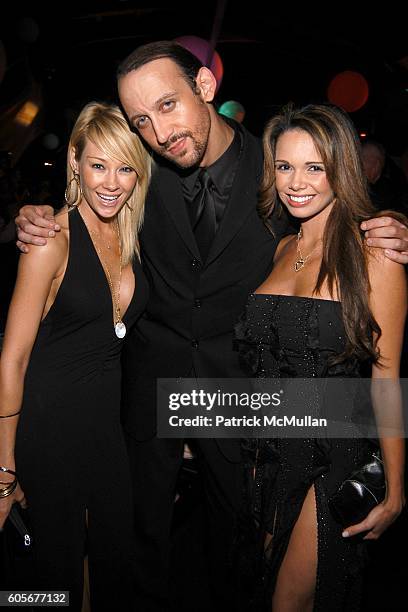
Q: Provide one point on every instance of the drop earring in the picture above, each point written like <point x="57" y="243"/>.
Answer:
<point x="68" y="190"/>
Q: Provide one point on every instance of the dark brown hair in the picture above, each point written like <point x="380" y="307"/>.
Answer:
<point x="188" y="63"/>
<point x="344" y="260"/>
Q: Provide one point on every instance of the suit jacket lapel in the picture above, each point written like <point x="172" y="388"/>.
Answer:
<point x="171" y="193"/>
<point x="243" y="196"/>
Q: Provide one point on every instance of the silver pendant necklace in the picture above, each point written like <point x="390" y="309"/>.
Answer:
<point x="120" y="329"/>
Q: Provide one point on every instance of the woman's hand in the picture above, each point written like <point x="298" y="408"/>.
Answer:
<point x="7" y="502"/>
<point x="377" y="521"/>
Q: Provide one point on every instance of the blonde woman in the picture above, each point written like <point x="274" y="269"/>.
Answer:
<point x="75" y="299"/>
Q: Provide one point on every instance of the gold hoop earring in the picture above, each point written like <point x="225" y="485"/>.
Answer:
<point x="67" y="193"/>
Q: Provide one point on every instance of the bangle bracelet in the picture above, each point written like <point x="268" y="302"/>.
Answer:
<point x="8" y="490"/>
<point x="7" y="416"/>
<point x="11" y="487"/>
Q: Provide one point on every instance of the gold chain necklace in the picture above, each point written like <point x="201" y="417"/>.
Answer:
<point x="119" y="326"/>
<point x="300" y="259"/>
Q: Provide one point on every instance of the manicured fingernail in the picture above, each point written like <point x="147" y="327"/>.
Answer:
<point x="345" y="534"/>
<point x="51" y="234"/>
<point x="57" y="227"/>
<point x="388" y="252"/>
<point x="369" y="241"/>
<point x="364" y="225"/>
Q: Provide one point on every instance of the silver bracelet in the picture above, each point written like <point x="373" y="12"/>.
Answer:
<point x="8" y="490"/>
<point x="11" y="487"/>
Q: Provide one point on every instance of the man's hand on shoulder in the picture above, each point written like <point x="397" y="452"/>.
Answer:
<point x="389" y="234"/>
<point x="35" y="224"/>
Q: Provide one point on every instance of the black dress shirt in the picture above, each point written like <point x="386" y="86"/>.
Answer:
<point x="222" y="173"/>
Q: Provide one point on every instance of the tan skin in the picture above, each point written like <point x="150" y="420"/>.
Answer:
<point x="297" y="575"/>
<point x="39" y="278"/>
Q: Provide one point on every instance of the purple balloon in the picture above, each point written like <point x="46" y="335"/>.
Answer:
<point x="201" y="49"/>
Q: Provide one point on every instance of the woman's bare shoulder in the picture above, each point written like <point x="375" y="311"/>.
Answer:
<point x="386" y="276"/>
<point x="53" y="254"/>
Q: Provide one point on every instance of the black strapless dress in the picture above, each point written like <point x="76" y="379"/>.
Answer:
<point x="282" y="336"/>
<point x="70" y="451"/>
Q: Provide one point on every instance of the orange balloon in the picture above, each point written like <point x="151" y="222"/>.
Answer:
<point x="349" y="90"/>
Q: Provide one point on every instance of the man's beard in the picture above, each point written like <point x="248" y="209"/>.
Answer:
<point x="199" y="138"/>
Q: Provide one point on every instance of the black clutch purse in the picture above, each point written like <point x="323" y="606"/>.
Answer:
<point x="15" y="517"/>
<point x="16" y="549"/>
<point x="359" y="493"/>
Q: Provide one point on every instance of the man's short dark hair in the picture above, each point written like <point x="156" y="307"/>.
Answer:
<point x="188" y="63"/>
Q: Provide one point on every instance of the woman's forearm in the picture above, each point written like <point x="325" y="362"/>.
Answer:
<point x="387" y="404"/>
<point x="11" y="395"/>
<point x="393" y="453"/>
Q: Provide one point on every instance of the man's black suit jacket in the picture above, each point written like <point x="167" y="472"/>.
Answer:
<point x="193" y="305"/>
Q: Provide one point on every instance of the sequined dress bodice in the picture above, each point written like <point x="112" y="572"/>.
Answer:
<point x="290" y="336"/>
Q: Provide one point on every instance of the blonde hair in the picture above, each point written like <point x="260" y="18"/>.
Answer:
<point x="106" y="127"/>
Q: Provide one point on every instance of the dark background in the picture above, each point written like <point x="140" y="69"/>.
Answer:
<point x="67" y="53"/>
<point x="64" y="54"/>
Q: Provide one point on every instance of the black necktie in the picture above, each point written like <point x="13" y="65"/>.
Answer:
<point x="203" y="218"/>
